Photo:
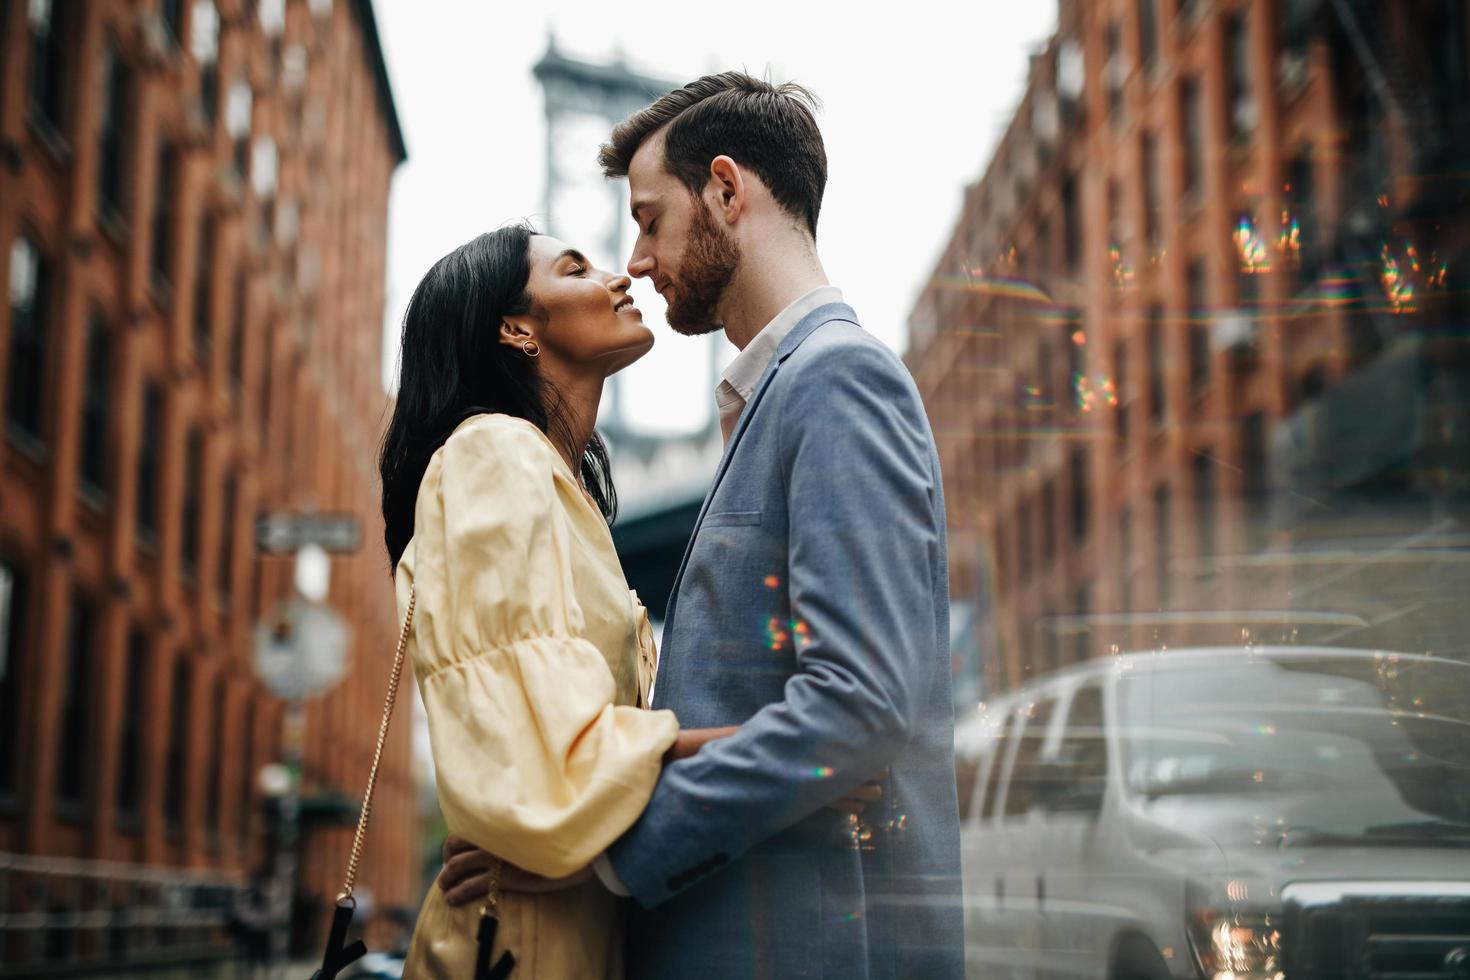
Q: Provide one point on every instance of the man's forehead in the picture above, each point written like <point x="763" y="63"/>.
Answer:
<point x="646" y="168"/>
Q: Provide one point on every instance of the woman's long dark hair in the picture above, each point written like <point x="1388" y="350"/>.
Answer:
<point x="452" y="365"/>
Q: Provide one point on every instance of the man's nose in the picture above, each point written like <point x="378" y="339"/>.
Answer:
<point x="640" y="265"/>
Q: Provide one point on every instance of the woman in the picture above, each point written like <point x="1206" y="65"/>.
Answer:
<point x="533" y="657"/>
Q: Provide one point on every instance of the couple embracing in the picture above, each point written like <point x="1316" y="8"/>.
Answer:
<point x="772" y="794"/>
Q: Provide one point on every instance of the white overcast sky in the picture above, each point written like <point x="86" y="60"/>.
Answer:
<point x="914" y="97"/>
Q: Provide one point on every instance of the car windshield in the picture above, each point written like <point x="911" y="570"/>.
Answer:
<point x="1358" y="746"/>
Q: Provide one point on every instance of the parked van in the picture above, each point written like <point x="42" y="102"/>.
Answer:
<point x="1231" y="814"/>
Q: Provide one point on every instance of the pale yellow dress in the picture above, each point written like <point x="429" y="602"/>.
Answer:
<point x="534" y="660"/>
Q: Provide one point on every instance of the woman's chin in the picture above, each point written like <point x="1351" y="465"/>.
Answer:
<point x="629" y="356"/>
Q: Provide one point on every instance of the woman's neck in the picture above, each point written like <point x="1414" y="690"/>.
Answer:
<point x="580" y="399"/>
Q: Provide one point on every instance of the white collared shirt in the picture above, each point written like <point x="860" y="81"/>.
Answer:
<point x="744" y="373"/>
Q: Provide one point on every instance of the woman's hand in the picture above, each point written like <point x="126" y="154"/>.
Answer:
<point x="465" y="877"/>
<point x="691" y="740"/>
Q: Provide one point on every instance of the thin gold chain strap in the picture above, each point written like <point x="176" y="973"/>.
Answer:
<point x="367" y="796"/>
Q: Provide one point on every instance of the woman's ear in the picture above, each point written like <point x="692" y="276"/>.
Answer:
<point x="515" y="331"/>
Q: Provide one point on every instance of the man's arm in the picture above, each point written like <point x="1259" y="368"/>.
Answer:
<point x="856" y="460"/>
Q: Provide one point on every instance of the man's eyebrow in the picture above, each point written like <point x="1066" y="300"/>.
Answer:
<point x="637" y="206"/>
<point x="573" y="254"/>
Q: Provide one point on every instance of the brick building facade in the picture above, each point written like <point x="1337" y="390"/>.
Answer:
<point x="1202" y="298"/>
<point x="193" y="206"/>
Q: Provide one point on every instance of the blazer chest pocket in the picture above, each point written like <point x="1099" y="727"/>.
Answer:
<point x="731" y="518"/>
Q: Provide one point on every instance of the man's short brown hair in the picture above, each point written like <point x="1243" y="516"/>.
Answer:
<point x="769" y="129"/>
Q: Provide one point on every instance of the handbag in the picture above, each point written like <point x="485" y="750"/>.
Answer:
<point x="338" y="957"/>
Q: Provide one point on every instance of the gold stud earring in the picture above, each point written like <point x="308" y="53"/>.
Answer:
<point x="531" y="348"/>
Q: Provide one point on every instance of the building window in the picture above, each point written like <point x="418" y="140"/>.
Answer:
<point x="172" y="14"/>
<point x="224" y="574"/>
<point x="263" y="164"/>
<point x="238" y="108"/>
<point x="130" y="733"/>
<point x="1204" y="502"/>
<point x="1082" y="608"/>
<point x="161" y="257"/>
<point x="110" y="133"/>
<point x="1156" y="357"/>
<point x="149" y="459"/>
<point x="193" y="484"/>
<point x="71" y="756"/>
<point x="1199" y="329"/>
<point x="247" y="774"/>
<point x="237" y="331"/>
<point x="1076" y="369"/>
<point x="203" y="293"/>
<point x="204" y="45"/>
<point x="1048" y="524"/>
<point x="176" y="760"/>
<point x="1116" y="232"/>
<point x="47" y="67"/>
<point x="1026" y="520"/>
<point x="95" y="401"/>
<point x="1078" y="471"/>
<point x="267" y="383"/>
<point x="30" y="296"/>
<point x="1120" y="391"/>
<point x="215" y="785"/>
<point x="1148" y="32"/>
<point x="272" y="15"/>
<point x="1253" y="474"/>
<point x="1125" y="559"/>
<point x="1191" y="102"/>
<point x="1153" y="198"/>
<point x="1163" y="542"/>
<point x="1299" y="224"/>
<point x="1116" y="70"/>
<point x="1045" y="373"/>
<point x="12" y="648"/>
<point x="1242" y="103"/>
<point x="1071" y="230"/>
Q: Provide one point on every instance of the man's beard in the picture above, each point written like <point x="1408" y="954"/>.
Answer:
<point x="710" y="259"/>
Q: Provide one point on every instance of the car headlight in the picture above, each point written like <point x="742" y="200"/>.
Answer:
<point x="1234" y="929"/>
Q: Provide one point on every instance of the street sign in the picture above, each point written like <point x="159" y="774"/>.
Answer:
<point x="281" y="532"/>
<point x="300" y="651"/>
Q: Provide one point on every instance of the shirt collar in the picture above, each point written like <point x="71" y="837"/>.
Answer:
<point x="745" y="371"/>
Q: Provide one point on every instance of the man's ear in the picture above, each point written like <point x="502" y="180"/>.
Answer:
<point x="727" y="188"/>
<point x="515" y="331"/>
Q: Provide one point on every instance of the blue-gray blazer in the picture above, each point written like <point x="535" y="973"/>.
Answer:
<point x="812" y="609"/>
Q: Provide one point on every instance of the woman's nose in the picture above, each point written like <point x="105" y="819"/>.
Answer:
<point x="620" y="284"/>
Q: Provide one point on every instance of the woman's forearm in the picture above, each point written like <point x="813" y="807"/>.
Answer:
<point x="690" y="740"/>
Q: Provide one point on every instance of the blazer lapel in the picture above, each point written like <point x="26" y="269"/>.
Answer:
<point x="804" y="329"/>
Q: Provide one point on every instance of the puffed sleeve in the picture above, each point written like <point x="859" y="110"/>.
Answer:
<point x="535" y="762"/>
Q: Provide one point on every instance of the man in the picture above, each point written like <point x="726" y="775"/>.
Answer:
<point x="812" y="606"/>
